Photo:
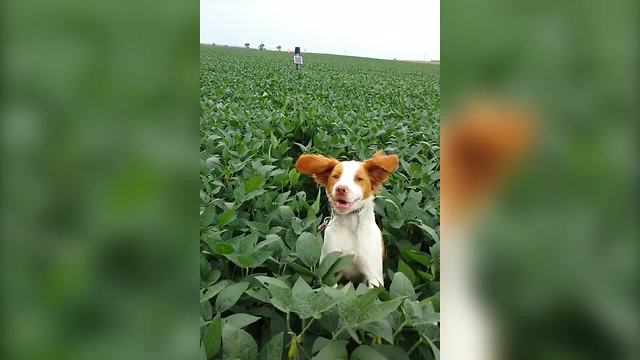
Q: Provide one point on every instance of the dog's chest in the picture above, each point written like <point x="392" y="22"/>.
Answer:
<point x="351" y="236"/>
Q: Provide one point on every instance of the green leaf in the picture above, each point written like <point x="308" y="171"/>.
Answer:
<point x="308" y="248"/>
<point x="302" y="294"/>
<point x="253" y="183"/>
<point x="401" y="286"/>
<point x="281" y="296"/>
<point x="365" y="352"/>
<point x="223" y="248"/>
<point x="335" y="350"/>
<point x="230" y="295"/>
<point x="434" y="348"/>
<point x="300" y="269"/>
<point x="326" y="263"/>
<point x="319" y="343"/>
<point x="273" y="349"/>
<point x="238" y="344"/>
<point x="240" y="320"/>
<point x="213" y="290"/>
<point x="335" y="271"/>
<point x="259" y="294"/>
<point x="392" y="352"/>
<point x="380" y="328"/>
<point x="406" y="269"/>
<point x="322" y="302"/>
<point x="378" y="311"/>
<point x="293" y="177"/>
<point x="420" y="257"/>
<point x="226" y="217"/>
<point x="212" y="337"/>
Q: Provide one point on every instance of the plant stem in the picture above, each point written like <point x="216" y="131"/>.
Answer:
<point x="335" y="336"/>
<point x="306" y="327"/>
<point x="399" y="329"/>
<point x="415" y="346"/>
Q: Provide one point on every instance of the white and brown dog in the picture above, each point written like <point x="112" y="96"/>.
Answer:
<point x="350" y="187"/>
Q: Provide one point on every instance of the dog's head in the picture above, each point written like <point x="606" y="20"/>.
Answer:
<point x="348" y="183"/>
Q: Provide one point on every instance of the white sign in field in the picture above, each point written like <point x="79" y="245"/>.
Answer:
<point x="297" y="60"/>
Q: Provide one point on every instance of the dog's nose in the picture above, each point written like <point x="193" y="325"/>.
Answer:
<point x="341" y="190"/>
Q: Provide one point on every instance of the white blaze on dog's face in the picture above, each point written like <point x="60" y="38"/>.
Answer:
<point x="348" y="183"/>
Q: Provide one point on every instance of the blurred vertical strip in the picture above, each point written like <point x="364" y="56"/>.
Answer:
<point x="99" y="184"/>
<point x="557" y="258"/>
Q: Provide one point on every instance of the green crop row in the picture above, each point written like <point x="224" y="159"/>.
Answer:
<point x="264" y="293"/>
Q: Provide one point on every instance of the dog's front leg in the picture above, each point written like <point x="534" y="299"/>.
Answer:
<point x="371" y="269"/>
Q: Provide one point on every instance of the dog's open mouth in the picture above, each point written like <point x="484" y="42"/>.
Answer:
<point x="342" y="205"/>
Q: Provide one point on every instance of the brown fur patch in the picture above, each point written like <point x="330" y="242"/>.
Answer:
<point x="379" y="167"/>
<point x="477" y="150"/>
<point x="317" y="165"/>
<point x="333" y="178"/>
<point x="362" y="179"/>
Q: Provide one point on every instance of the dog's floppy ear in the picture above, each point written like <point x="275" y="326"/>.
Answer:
<point x="317" y="165"/>
<point x="379" y="167"/>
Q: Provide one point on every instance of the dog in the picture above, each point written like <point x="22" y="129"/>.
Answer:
<point x="479" y="147"/>
<point x="351" y="188"/>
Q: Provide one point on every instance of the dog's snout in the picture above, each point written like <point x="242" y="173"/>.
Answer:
<point x="341" y="190"/>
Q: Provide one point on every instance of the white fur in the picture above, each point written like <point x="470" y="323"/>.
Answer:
<point x="356" y="234"/>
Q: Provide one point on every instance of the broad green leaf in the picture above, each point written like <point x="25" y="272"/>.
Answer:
<point x="401" y="286"/>
<point x="319" y="343"/>
<point x="308" y="248"/>
<point x="273" y="349"/>
<point x="379" y="310"/>
<point x="238" y="344"/>
<point x="281" y="296"/>
<point x="302" y="294"/>
<point x="223" y="248"/>
<point x="334" y="350"/>
<point x="253" y="183"/>
<point x="380" y="328"/>
<point x="322" y="302"/>
<point x="227" y="216"/>
<point x="335" y="271"/>
<point x="405" y="269"/>
<point x="259" y="294"/>
<point x="228" y="297"/>
<point x="213" y="290"/>
<point x="213" y="336"/>
<point x="391" y="352"/>
<point x="240" y="320"/>
<point x="365" y="352"/>
<point x="434" y="348"/>
<point x="420" y="257"/>
<point x="293" y="177"/>
<point x="326" y="263"/>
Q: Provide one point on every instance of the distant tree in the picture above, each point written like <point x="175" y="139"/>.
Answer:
<point x="261" y="47"/>
<point x="246" y="45"/>
<point x="214" y="44"/>
<point x="279" y="47"/>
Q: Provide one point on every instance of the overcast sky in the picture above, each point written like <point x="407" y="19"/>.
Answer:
<point x="402" y="29"/>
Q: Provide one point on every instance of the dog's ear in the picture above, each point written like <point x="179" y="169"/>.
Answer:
<point x="379" y="167"/>
<point x="478" y="148"/>
<point x="317" y="165"/>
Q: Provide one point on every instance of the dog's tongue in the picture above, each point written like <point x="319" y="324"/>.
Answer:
<point x="342" y="205"/>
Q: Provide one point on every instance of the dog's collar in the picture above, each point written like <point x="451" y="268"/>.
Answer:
<point x="356" y="211"/>
<point x="334" y="213"/>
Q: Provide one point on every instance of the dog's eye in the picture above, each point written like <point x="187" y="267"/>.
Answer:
<point x="359" y="178"/>
<point x="336" y="176"/>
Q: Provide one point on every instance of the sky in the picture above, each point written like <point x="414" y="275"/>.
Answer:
<point x="401" y="29"/>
